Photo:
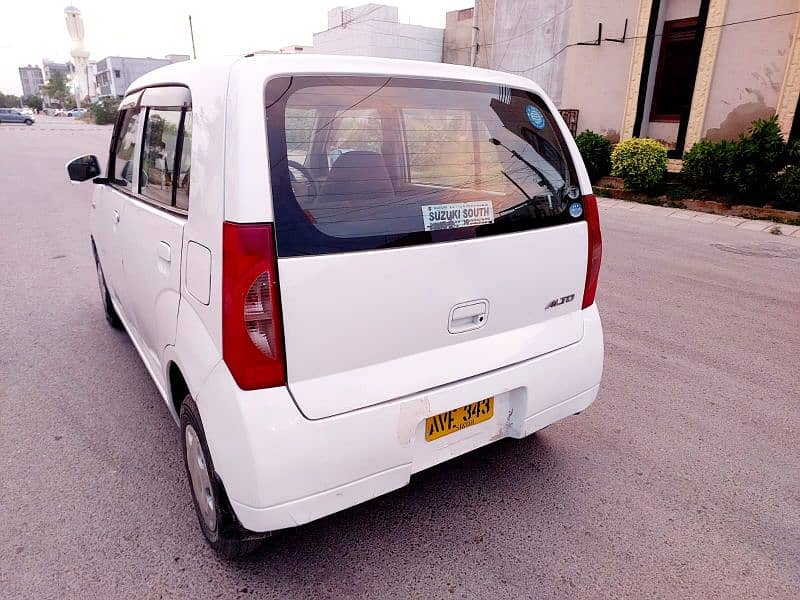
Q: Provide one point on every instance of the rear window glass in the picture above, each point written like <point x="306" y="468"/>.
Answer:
<point x="362" y="163"/>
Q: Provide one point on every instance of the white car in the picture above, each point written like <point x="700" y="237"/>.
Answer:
<point x="416" y="281"/>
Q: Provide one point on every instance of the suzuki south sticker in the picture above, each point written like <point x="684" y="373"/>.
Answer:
<point x="535" y="116"/>
<point x="453" y="216"/>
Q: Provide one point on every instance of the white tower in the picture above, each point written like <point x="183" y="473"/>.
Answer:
<point x="80" y="55"/>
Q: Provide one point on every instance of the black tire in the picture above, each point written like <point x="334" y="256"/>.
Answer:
<point x="225" y="534"/>
<point x="108" y="308"/>
<point x="28" y="122"/>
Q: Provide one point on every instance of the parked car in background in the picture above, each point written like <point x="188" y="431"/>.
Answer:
<point x="13" y="115"/>
<point x="417" y="281"/>
<point x="75" y="112"/>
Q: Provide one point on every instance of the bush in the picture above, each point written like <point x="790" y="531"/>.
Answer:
<point x="758" y="158"/>
<point x="104" y="111"/>
<point x="707" y="166"/>
<point x="641" y="162"/>
<point x="787" y="196"/>
<point x="596" y="152"/>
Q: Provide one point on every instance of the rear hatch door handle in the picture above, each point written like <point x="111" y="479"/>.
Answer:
<point x="468" y="316"/>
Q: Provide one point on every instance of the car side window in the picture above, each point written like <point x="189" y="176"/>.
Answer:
<point x="159" y="150"/>
<point x="125" y="150"/>
<point x="185" y="164"/>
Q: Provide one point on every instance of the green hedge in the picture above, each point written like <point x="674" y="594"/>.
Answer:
<point x="595" y="150"/>
<point x="787" y="196"/>
<point x="760" y="155"/>
<point x="640" y="162"/>
<point x="707" y="166"/>
<point x="756" y="169"/>
<point x="104" y="111"/>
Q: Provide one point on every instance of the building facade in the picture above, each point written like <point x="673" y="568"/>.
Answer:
<point x="375" y="30"/>
<point x="459" y="41"/>
<point x="31" y="79"/>
<point x="675" y="70"/>
<point x="49" y="68"/>
<point x="116" y="73"/>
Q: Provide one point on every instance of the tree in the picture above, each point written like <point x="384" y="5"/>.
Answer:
<point x="57" y="90"/>
<point x="33" y="102"/>
<point x="9" y="101"/>
<point x="104" y="111"/>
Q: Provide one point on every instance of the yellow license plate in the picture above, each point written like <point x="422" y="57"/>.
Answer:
<point x="460" y="418"/>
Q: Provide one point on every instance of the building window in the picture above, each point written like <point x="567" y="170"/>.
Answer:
<point x="116" y="73"/>
<point x="677" y="68"/>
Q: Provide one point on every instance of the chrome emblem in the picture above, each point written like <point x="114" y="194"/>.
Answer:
<point x="559" y="301"/>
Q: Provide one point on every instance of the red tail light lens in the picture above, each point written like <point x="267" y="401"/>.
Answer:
<point x="595" y="254"/>
<point x="252" y="330"/>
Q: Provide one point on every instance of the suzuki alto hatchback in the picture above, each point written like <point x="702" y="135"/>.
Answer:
<point x="341" y="271"/>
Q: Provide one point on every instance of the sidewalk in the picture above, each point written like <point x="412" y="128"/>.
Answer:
<point x="693" y="215"/>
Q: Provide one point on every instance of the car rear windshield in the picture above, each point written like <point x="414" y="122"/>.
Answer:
<point x="362" y="163"/>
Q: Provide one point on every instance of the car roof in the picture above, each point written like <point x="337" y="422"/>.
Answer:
<point x="257" y="68"/>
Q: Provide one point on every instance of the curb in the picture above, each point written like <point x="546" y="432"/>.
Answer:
<point x="701" y="217"/>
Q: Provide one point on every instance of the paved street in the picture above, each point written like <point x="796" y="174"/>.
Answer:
<point x="682" y="480"/>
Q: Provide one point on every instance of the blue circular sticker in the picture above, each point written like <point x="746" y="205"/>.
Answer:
<point x="575" y="210"/>
<point x="535" y="116"/>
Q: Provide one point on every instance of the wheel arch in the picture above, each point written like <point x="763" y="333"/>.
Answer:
<point x="178" y="388"/>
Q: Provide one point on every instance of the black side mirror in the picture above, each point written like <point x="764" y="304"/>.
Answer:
<point x="83" y="168"/>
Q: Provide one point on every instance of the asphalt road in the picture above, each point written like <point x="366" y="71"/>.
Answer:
<point x="682" y="480"/>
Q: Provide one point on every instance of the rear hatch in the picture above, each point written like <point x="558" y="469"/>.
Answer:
<point x="427" y="231"/>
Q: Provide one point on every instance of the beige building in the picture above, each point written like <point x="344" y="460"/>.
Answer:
<point x="675" y="70"/>
<point x="376" y="30"/>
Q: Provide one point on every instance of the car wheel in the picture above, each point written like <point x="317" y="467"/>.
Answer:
<point x="28" y="122"/>
<point x="221" y="528"/>
<point x="111" y="313"/>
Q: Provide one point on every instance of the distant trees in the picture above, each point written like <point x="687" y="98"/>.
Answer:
<point x="57" y="90"/>
<point x="104" y="111"/>
<point x="34" y="102"/>
<point x="9" y="101"/>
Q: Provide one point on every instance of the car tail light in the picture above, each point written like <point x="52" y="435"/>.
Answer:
<point x="595" y="253"/>
<point x="252" y="330"/>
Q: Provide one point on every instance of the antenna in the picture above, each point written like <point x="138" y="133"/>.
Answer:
<point x="191" y="32"/>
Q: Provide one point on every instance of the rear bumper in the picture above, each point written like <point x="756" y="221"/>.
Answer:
<point x="281" y="469"/>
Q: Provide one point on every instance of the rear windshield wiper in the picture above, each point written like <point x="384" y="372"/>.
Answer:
<point x="531" y="166"/>
<point x="528" y="202"/>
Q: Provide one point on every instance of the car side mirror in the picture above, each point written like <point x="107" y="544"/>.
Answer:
<point x="83" y="168"/>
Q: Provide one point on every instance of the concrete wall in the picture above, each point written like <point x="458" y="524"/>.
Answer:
<point x="750" y="67"/>
<point x="527" y="35"/>
<point x="486" y="19"/>
<point x="373" y="30"/>
<point x="596" y="77"/>
<point x="458" y="37"/>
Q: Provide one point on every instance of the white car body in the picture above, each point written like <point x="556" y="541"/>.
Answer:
<point x="368" y="353"/>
